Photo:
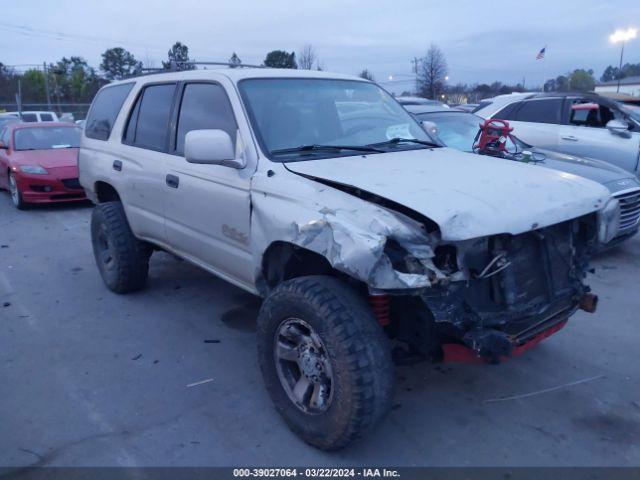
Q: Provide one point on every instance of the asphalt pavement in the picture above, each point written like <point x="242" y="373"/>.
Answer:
<point x="168" y="376"/>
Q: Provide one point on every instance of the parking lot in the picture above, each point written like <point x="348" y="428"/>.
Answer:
<point x="92" y="378"/>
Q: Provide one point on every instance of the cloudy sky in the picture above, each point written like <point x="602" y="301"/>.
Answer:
<point x="481" y="44"/>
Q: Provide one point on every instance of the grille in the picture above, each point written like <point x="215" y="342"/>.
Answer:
<point x="629" y="209"/>
<point x="73" y="183"/>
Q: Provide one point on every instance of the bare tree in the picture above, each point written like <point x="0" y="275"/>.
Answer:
<point x="307" y="57"/>
<point x="367" y="75"/>
<point x="432" y="71"/>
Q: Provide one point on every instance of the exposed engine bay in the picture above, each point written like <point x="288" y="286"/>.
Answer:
<point x="516" y="287"/>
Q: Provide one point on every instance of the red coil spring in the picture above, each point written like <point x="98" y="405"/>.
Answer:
<point x="381" y="305"/>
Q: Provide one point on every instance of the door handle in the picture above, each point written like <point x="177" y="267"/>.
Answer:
<point x="172" y="181"/>
<point x="117" y="165"/>
<point x="571" y="138"/>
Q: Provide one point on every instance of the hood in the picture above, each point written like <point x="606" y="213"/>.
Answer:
<point x="467" y="195"/>
<point x="614" y="178"/>
<point x="53" y="158"/>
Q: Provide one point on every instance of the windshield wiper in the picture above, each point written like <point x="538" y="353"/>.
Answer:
<point x="328" y="148"/>
<point x="397" y="140"/>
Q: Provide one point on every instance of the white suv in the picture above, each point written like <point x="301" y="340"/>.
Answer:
<point x="320" y="193"/>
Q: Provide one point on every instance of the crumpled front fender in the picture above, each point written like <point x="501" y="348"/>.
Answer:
<point x="349" y="232"/>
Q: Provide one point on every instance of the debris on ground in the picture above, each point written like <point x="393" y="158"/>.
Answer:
<point x="546" y="390"/>
<point x="201" y="382"/>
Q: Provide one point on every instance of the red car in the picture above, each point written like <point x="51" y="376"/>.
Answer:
<point x="39" y="163"/>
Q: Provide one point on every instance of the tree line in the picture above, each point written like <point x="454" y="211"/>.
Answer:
<point x="72" y="80"/>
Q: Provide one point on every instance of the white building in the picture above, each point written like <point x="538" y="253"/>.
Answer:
<point x="628" y="86"/>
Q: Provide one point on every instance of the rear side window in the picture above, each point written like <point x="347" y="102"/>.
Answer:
<point x="540" y="111"/>
<point x="46" y="117"/>
<point x="29" y="117"/>
<point x="149" y="121"/>
<point x="204" y="106"/>
<point x="104" y="110"/>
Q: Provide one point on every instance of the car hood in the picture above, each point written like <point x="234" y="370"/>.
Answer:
<point x="614" y="178"/>
<point x="53" y="158"/>
<point x="467" y="195"/>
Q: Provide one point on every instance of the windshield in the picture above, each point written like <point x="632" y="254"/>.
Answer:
<point x="459" y="130"/>
<point x="288" y="114"/>
<point x="46" y="138"/>
<point x="632" y="110"/>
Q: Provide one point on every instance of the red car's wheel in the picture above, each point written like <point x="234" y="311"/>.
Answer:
<point x="16" y="196"/>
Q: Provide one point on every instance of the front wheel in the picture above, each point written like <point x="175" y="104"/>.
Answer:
<point x="325" y="360"/>
<point x="16" y="195"/>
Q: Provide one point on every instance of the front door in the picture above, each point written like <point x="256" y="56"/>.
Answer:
<point x="207" y="207"/>
<point x="585" y="134"/>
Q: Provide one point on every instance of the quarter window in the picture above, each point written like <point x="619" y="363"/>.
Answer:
<point x="149" y="121"/>
<point x="104" y="110"/>
<point x="46" y="117"/>
<point x="204" y="106"/>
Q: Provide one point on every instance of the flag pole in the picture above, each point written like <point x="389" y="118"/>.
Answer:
<point x="544" y="69"/>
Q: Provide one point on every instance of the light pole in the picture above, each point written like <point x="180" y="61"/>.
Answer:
<point x="622" y="36"/>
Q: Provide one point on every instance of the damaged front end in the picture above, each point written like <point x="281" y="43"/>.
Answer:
<point x="479" y="299"/>
<point x="516" y="289"/>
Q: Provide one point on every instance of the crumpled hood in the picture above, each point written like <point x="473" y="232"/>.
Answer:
<point x="467" y="195"/>
<point x="52" y="158"/>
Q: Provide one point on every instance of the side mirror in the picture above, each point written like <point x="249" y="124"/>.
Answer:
<point x="213" y="147"/>
<point x="618" y="127"/>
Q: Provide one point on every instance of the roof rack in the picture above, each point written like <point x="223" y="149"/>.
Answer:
<point x="173" y="67"/>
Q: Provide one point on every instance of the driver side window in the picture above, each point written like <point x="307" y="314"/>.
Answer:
<point x="585" y="113"/>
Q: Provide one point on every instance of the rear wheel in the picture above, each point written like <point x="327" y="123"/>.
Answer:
<point x="122" y="259"/>
<point x="325" y="360"/>
<point x="14" y="191"/>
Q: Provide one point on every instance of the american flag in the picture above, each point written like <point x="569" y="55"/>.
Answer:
<point x="540" y="55"/>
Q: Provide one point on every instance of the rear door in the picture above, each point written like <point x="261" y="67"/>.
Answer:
<point x="584" y="133"/>
<point x="535" y="121"/>
<point x="142" y="159"/>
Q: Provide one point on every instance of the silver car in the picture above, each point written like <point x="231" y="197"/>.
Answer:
<point x="583" y="124"/>
<point x="459" y="129"/>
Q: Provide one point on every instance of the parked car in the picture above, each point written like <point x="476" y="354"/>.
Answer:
<point x="36" y="116"/>
<point x="467" y="107"/>
<point x="420" y="101"/>
<point x="39" y="163"/>
<point x="6" y="119"/>
<point x="583" y="124"/>
<point x="489" y="106"/>
<point x="459" y="130"/>
<point x="354" y="227"/>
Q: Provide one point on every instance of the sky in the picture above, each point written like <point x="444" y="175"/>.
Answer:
<point x="482" y="41"/>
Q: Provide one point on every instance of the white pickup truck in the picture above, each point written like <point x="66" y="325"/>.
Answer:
<point x="367" y="241"/>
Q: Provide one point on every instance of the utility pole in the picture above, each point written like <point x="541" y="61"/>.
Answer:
<point x="620" y="68"/>
<point x="46" y="85"/>
<point x="19" y="99"/>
